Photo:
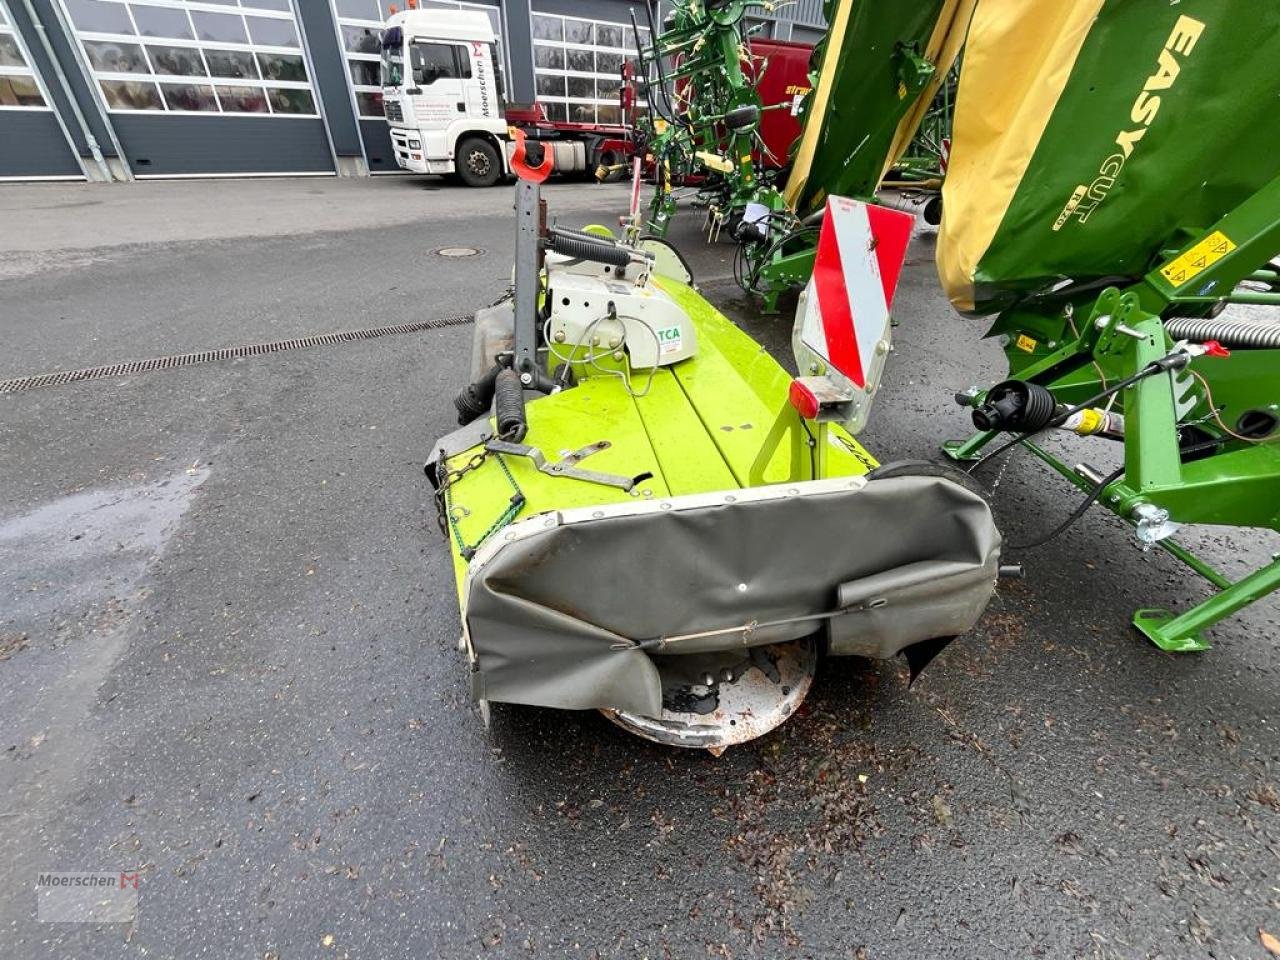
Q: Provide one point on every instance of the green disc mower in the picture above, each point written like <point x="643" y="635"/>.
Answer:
<point x="649" y="517"/>
<point x="1113" y="199"/>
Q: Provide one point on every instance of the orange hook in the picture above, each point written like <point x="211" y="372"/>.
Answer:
<point x="532" y="172"/>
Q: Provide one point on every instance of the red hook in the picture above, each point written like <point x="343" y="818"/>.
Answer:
<point x="519" y="159"/>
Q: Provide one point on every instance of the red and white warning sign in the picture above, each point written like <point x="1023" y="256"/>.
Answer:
<point x="860" y="254"/>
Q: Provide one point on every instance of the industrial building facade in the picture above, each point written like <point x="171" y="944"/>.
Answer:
<point x="118" y="89"/>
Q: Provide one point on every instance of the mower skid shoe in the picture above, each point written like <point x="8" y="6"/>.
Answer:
<point x="598" y="607"/>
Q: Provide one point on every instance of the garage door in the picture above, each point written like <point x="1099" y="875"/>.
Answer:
<point x="34" y="144"/>
<point x="204" y="88"/>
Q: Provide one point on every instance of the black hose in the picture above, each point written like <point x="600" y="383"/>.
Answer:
<point x="508" y="406"/>
<point x="473" y="400"/>
<point x="1094" y="494"/>
<point x="662" y="74"/>
<point x="582" y="249"/>
<point x="1079" y="512"/>
<point x="644" y="68"/>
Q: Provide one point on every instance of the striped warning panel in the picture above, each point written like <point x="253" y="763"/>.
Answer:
<point x="860" y="254"/>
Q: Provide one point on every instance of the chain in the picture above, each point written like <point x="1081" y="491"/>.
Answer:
<point x="444" y="507"/>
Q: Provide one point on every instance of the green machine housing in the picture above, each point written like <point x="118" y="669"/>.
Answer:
<point x="1113" y="197"/>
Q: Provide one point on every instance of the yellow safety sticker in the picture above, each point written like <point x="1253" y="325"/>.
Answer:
<point x="1025" y="343"/>
<point x="1184" y="267"/>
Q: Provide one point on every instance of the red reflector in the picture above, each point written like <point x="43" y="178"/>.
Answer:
<point x="802" y="398"/>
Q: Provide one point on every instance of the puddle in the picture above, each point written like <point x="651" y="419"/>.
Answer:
<point x="80" y="550"/>
<point x="70" y="576"/>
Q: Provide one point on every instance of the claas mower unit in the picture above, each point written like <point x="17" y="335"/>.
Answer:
<point x="1113" y="199"/>
<point x="649" y="517"/>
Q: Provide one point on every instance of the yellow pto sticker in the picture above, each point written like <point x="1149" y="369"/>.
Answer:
<point x="1025" y="343"/>
<point x="1183" y="268"/>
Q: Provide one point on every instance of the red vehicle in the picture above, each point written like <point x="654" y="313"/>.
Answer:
<point x="604" y="144"/>
<point x="783" y="71"/>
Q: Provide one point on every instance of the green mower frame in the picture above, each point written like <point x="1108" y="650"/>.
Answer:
<point x="1201" y="443"/>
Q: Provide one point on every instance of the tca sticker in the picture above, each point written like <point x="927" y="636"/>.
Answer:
<point x="670" y="340"/>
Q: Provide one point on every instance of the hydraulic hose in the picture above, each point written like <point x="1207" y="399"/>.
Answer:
<point x="473" y="400"/>
<point x="1241" y="334"/>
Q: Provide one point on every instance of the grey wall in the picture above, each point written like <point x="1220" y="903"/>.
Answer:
<point x="806" y="12"/>
<point x="377" y="146"/>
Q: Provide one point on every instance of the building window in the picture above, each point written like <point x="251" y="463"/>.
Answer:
<point x="360" y="25"/>
<point x="197" y="57"/>
<point x="19" y="89"/>
<point x="578" y="64"/>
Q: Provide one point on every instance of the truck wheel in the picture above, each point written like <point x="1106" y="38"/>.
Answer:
<point x="478" y="163"/>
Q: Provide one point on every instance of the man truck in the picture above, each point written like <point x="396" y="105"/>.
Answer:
<point x="445" y="102"/>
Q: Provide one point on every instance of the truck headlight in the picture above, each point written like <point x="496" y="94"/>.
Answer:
<point x="415" y="144"/>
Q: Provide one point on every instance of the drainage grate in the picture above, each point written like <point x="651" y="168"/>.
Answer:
<point x="226" y="353"/>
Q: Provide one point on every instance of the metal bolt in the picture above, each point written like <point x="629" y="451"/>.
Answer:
<point x="617" y="354"/>
<point x="559" y="337"/>
<point x="526" y="378"/>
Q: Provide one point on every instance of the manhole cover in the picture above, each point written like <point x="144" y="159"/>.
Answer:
<point x="457" y="251"/>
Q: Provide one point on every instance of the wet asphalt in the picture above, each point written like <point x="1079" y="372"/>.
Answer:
<point x="227" y="659"/>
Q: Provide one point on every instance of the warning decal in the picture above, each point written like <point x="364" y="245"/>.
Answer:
<point x="1207" y="252"/>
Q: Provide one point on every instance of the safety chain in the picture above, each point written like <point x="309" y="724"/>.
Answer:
<point x="444" y="506"/>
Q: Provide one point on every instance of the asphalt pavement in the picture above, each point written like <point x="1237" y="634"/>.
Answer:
<point x="228" y="647"/>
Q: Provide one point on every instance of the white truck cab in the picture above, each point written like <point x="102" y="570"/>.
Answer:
<point x="442" y="94"/>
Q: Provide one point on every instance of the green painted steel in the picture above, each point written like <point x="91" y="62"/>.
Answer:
<point x="1166" y="123"/>
<point x="703" y="123"/>
<point x="873" y="77"/>
<point x="1186" y="451"/>
<point x="877" y="74"/>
